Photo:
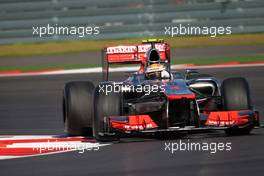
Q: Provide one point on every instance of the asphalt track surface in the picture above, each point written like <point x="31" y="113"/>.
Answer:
<point x="32" y="105"/>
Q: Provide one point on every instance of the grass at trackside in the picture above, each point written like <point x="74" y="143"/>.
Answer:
<point x="52" y="48"/>
<point x="196" y="61"/>
<point x="46" y="67"/>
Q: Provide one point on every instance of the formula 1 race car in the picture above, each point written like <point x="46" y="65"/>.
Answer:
<point x="155" y="99"/>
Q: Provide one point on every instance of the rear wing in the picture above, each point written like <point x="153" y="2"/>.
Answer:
<point x="132" y="54"/>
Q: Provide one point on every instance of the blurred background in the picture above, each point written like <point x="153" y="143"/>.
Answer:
<point x="125" y="18"/>
<point x="126" y="22"/>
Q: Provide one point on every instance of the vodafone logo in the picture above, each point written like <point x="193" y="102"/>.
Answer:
<point x="132" y="49"/>
<point x="138" y="127"/>
<point x="221" y="123"/>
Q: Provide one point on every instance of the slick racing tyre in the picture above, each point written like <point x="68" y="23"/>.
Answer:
<point x="105" y="105"/>
<point x="236" y="96"/>
<point x="78" y="108"/>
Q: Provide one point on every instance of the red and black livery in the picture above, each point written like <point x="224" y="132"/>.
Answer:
<point x="188" y="101"/>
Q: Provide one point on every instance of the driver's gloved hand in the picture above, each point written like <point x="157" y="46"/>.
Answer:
<point x="165" y="74"/>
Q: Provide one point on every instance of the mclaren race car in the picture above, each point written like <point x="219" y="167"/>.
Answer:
<point x="155" y="99"/>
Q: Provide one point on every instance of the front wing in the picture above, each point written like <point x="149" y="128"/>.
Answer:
<point x="218" y="120"/>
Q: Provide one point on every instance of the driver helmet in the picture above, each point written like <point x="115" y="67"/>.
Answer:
<point x="153" y="71"/>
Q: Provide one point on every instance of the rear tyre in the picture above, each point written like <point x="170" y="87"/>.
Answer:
<point x="105" y="105"/>
<point x="78" y="108"/>
<point x="236" y="96"/>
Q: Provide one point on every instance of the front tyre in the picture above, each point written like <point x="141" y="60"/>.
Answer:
<point x="105" y="105"/>
<point x="236" y="96"/>
<point x="78" y="108"/>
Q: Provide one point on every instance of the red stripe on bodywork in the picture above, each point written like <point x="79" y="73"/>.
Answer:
<point x="176" y="97"/>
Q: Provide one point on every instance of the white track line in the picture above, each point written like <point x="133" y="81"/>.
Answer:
<point x="21" y="137"/>
<point x="121" y="69"/>
<point x="39" y="146"/>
